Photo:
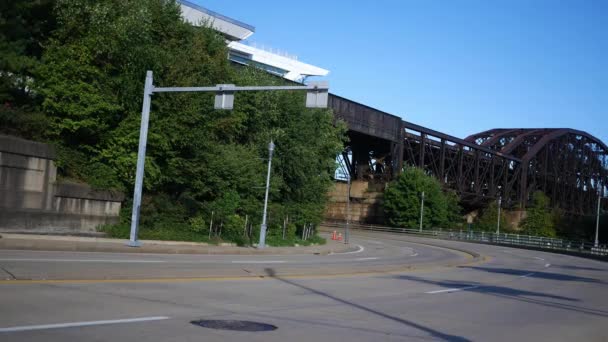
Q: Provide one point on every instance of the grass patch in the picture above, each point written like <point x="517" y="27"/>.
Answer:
<point x="175" y="233"/>
<point x="277" y="241"/>
<point x="183" y="232"/>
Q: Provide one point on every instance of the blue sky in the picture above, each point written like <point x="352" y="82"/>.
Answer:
<point x="459" y="67"/>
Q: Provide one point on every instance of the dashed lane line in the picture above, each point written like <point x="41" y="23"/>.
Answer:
<point x="363" y="259"/>
<point x="80" y="324"/>
<point x="453" y="289"/>
<point x="258" y="261"/>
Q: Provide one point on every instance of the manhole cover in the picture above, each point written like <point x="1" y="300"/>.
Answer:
<point x="234" y="325"/>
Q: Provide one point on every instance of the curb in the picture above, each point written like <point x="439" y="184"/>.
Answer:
<point x="105" y="245"/>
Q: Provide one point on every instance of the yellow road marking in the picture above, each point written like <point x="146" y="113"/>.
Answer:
<point x="481" y="260"/>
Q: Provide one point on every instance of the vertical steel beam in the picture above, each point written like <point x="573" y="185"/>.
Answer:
<point x="442" y="162"/>
<point x="422" y="149"/>
<point x="477" y="181"/>
<point x="460" y="165"/>
<point x="523" y="190"/>
<point x="492" y="191"/>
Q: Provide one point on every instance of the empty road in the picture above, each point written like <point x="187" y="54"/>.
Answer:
<point x="389" y="288"/>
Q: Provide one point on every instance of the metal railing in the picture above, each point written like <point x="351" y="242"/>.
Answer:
<point x="529" y="241"/>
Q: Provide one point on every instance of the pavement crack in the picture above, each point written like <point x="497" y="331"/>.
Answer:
<point x="9" y="273"/>
<point x="253" y="273"/>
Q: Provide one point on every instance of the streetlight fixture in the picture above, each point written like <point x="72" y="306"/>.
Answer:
<point x="316" y="97"/>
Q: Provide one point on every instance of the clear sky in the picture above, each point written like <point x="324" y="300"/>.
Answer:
<point x="459" y="67"/>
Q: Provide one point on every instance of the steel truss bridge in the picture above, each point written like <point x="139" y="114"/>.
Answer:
<point x="569" y="166"/>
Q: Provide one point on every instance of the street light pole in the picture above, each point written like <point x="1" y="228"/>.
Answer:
<point x="262" y="243"/>
<point x="316" y="97"/>
<point x="421" y="210"/>
<point x="346" y="232"/>
<point x="498" y="220"/>
<point x="141" y="160"/>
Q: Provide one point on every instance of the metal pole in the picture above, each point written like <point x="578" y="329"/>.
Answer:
<point x="262" y="243"/>
<point x="284" y="226"/>
<point x="498" y="220"/>
<point x="421" y="210"/>
<point x="346" y="231"/>
<point x="597" y="221"/>
<point x="246" y="219"/>
<point x="141" y="159"/>
<point x="211" y="224"/>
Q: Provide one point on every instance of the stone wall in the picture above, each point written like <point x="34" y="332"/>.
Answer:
<point x="31" y="199"/>
<point x="365" y="202"/>
<point x="366" y="205"/>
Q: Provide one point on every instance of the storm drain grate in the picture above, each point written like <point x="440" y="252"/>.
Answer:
<point x="234" y="325"/>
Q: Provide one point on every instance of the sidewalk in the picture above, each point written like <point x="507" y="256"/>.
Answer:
<point x="96" y="244"/>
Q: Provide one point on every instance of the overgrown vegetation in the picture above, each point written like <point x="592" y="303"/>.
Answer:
<point x="488" y="219"/>
<point x="402" y="201"/>
<point x="540" y="221"/>
<point x="72" y="74"/>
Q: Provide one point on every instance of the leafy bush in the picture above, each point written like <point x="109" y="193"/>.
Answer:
<point x="402" y="200"/>
<point x="539" y="220"/>
<point x="198" y="225"/>
<point x="488" y="219"/>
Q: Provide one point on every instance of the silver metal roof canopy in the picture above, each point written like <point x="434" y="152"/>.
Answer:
<point x="231" y="28"/>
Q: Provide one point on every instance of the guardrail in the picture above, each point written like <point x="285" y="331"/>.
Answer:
<point x="537" y="242"/>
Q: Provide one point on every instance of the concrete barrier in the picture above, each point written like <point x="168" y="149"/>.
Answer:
<point x="32" y="200"/>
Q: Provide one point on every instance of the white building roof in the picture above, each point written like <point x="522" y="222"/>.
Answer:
<point x="231" y="28"/>
<point x="234" y="30"/>
<point x="294" y="70"/>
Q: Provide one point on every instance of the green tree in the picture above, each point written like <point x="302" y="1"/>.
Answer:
<point x="402" y="201"/>
<point x="455" y="218"/>
<point x="539" y="219"/>
<point x="199" y="160"/>
<point x="488" y="219"/>
<point x="25" y="27"/>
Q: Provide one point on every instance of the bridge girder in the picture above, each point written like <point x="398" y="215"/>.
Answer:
<point x="569" y="166"/>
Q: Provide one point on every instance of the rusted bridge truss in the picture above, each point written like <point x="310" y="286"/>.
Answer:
<point x="569" y="166"/>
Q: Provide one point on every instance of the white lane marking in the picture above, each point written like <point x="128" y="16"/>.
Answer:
<point x="415" y="254"/>
<point x="453" y="289"/>
<point x="359" y="250"/>
<point x="539" y="258"/>
<point x="82" y="260"/>
<point x="81" y="324"/>
<point x="258" y="261"/>
<point x="362" y="259"/>
<point x="547" y="265"/>
<point x="526" y="275"/>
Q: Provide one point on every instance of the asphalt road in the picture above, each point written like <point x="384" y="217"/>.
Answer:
<point x="392" y="288"/>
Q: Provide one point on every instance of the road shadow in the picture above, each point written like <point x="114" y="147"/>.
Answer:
<point x="533" y="297"/>
<point x="581" y="268"/>
<point x="270" y="272"/>
<point x="537" y="274"/>
<point x="486" y="289"/>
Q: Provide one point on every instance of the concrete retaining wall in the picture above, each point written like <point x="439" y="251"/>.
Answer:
<point x="31" y="199"/>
